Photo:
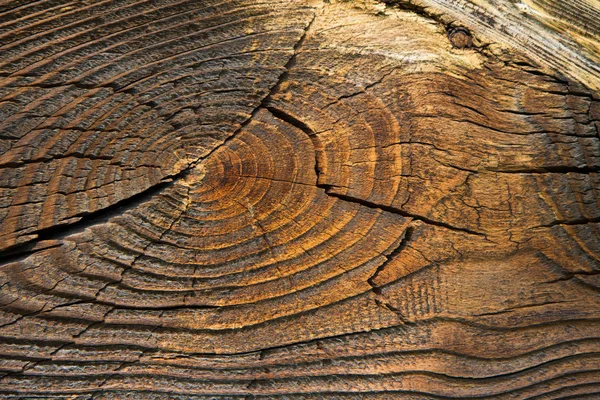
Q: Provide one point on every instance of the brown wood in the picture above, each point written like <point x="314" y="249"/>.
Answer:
<point x="283" y="199"/>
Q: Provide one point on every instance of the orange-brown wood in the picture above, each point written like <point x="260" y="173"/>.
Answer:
<point x="282" y="199"/>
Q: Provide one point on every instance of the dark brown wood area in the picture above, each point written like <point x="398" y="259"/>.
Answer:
<point x="240" y="199"/>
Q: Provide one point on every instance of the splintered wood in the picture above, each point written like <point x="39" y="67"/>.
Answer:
<point x="239" y="199"/>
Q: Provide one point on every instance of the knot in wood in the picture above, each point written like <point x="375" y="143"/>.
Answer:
<point x="460" y="38"/>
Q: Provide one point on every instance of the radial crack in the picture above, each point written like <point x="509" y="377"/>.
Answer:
<point x="578" y="221"/>
<point x="290" y="119"/>
<point x="87" y="220"/>
<point x="263" y="104"/>
<point x="403" y="240"/>
<point x="559" y="169"/>
<point x="398" y="211"/>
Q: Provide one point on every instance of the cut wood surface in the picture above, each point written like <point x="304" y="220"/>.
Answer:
<point x="320" y="199"/>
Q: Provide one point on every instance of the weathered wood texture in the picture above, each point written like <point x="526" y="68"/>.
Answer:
<point x="559" y="34"/>
<point x="297" y="199"/>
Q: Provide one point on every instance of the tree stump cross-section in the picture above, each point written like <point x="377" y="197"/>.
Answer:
<point x="289" y="199"/>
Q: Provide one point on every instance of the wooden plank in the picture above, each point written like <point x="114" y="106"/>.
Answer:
<point x="350" y="199"/>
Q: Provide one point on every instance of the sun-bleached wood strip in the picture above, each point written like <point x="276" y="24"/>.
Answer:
<point x="561" y="36"/>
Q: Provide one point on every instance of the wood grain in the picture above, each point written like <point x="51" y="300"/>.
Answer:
<point x="238" y="199"/>
<point x="563" y="36"/>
